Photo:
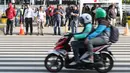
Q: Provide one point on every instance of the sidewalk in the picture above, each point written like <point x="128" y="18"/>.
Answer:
<point x="49" y="30"/>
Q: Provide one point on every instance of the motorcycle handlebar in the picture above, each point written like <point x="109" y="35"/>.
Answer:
<point x="69" y="34"/>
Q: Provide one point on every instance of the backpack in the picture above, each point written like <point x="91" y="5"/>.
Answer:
<point x="114" y="34"/>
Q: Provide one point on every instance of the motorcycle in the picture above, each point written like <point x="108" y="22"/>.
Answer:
<point x="61" y="57"/>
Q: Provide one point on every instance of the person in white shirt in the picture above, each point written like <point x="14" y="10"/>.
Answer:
<point x="29" y="17"/>
<point x="40" y="20"/>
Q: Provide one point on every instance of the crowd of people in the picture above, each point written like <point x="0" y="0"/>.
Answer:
<point x="52" y="16"/>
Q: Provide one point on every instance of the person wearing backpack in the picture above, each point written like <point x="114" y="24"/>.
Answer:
<point x="10" y="13"/>
<point x="99" y="36"/>
<point x="40" y="20"/>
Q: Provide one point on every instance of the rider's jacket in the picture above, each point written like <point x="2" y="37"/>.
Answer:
<point x="103" y="30"/>
<point x="87" y="29"/>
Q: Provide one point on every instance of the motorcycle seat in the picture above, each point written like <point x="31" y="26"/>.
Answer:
<point x="102" y="46"/>
<point x="109" y="43"/>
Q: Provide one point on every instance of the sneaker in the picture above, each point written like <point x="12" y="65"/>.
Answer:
<point x="37" y="33"/>
<point x="42" y="34"/>
<point x="30" y="33"/>
<point x="6" y="34"/>
<point x="73" y="63"/>
<point x="26" y="33"/>
<point x="88" y="59"/>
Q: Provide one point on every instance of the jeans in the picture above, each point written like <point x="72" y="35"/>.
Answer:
<point x="51" y="21"/>
<point x="94" y="42"/>
<point x="78" y="49"/>
<point x="22" y="19"/>
<point x="69" y="20"/>
<point x="47" y="21"/>
<point x="93" y="19"/>
<point x="16" y="21"/>
<point x="74" y="24"/>
<point x="57" y="24"/>
<point x="9" y="26"/>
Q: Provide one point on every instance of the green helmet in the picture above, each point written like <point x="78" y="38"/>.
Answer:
<point x="100" y="13"/>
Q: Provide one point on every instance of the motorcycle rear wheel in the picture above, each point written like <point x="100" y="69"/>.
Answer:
<point x="56" y="62"/>
<point x="106" y="59"/>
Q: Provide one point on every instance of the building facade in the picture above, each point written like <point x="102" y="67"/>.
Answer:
<point x="39" y="2"/>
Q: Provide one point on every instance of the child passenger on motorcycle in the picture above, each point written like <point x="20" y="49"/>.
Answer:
<point x="100" y="36"/>
<point x="86" y="20"/>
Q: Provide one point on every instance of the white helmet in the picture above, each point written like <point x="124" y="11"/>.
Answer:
<point x="85" y="18"/>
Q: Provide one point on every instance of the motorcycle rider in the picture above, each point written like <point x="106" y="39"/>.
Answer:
<point x="86" y="20"/>
<point x="99" y="36"/>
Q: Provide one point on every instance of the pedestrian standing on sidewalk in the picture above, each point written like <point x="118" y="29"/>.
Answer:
<point x="93" y="10"/>
<point x="29" y="17"/>
<point x="47" y="17"/>
<point x="51" y="13"/>
<point x="112" y="13"/>
<point x="74" y="22"/>
<point x="10" y="13"/>
<point x="40" y="20"/>
<point x="16" y="20"/>
<point x="58" y="13"/>
<point x="86" y="9"/>
<point x="67" y="16"/>
<point x="22" y="14"/>
<point x="70" y="18"/>
<point x="63" y="17"/>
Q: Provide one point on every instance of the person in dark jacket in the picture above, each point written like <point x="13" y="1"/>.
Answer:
<point x="86" y="9"/>
<point x="93" y="13"/>
<point x="70" y="17"/>
<point x="10" y="13"/>
<point x="74" y="22"/>
<point x="67" y="16"/>
<point x="112" y="13"/>
<point x="98" y="37"/>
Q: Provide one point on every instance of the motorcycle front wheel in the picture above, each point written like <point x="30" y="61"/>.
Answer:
<point x="53" y="63"/>
<point x="108" y="63"/>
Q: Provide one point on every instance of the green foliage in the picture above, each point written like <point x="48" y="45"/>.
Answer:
<point x="127" y="1"/>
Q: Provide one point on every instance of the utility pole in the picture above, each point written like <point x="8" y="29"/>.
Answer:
<point x="4" y="5"/>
